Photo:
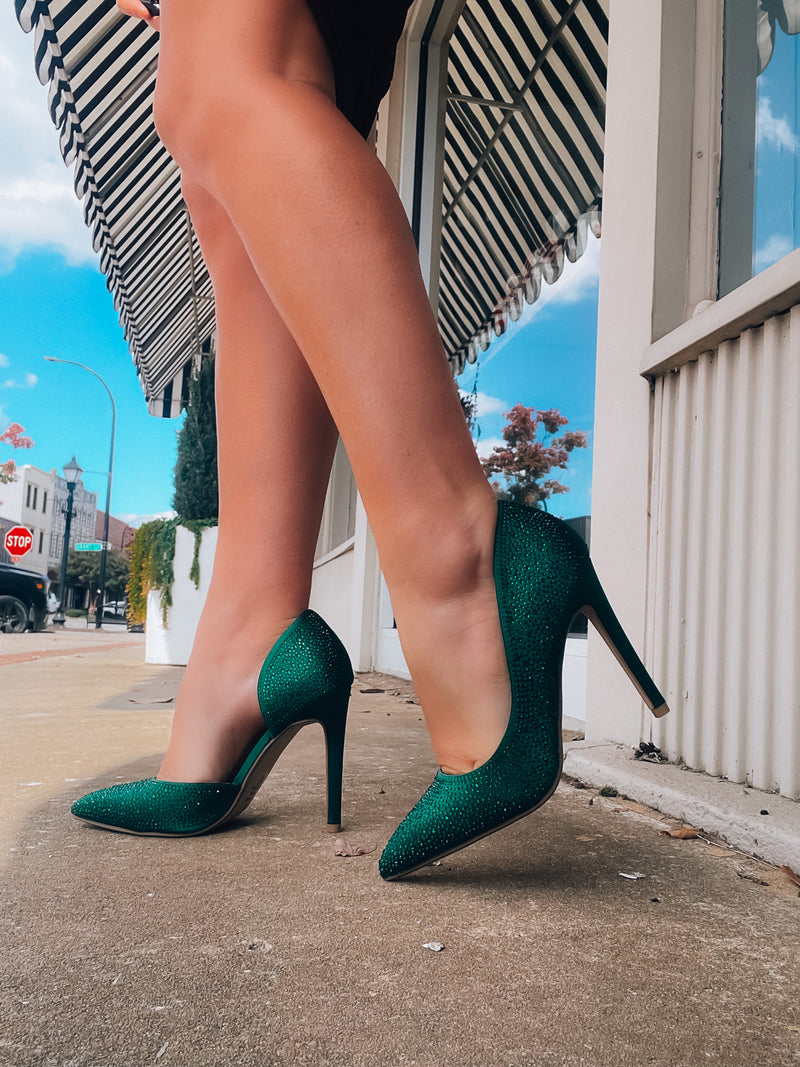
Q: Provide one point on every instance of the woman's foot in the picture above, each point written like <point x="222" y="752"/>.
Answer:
<point x="450" y="633"/>
<point x="543" y="576"/>
<point x="217" y="718"/>
<point x="307" y="677"/>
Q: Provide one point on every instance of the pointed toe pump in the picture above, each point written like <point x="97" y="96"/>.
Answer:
<point x="305" y="678"/>
<point x="543" y="576"/>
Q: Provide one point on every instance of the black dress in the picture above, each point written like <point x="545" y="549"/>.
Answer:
<point x="362" y="37"/>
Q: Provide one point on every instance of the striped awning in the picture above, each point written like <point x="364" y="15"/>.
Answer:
<point x="523" y="161"/>
<point x="523" y="158"/>
<point x="100" y="67"/>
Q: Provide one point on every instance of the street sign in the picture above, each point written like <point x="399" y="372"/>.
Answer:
<point x="89" y="546"/>
<point x="18" y="541"/>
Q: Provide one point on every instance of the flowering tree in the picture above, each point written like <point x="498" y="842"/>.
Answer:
<point x="13" y="435"/>
<point x="531" y="451"/>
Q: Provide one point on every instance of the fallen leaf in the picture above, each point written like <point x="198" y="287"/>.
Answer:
<point x="683" y="832"/>
<point x="342" y="847"/>
<point x="793" y="876"/>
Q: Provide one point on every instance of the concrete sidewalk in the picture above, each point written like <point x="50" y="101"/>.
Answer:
<point x="259" y="946"/>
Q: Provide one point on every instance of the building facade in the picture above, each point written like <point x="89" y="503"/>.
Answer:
<point x="120" y="534"/>
<point x="696" y="494"/>
<point x="699" y="344"/>
<point x="84" y="514"/>
<point x="30" y="501"/>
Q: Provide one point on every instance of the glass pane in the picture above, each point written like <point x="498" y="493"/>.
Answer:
<point x="760" y="173"/>
<point x="776" y="230"/>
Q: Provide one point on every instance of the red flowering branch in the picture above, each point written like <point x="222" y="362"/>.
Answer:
<point x="530" y="453"/>
<point x="13" y="435"/>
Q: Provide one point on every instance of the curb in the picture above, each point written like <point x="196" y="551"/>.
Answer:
<point x="731" y="811"/>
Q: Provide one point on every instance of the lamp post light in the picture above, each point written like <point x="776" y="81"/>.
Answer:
<point x="72" y="473"/>
<point x="98" y="615"/>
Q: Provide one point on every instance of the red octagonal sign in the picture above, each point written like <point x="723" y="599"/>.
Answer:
<point x="18" y="541"/>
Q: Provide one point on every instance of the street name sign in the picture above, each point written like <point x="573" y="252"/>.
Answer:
<point x="18" y="541"/>
<point x="89" y="546"/>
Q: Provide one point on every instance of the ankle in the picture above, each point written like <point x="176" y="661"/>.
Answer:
<point x="229" y="622"/>
<point x="453" y="556"/>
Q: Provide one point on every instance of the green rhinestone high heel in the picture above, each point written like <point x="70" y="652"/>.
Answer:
<point x="305" y="678"/>
<point x="543" y="576"/>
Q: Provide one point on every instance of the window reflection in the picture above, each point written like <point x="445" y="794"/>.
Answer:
<point x="776" y="228"/>
<point x="760" y="173"/>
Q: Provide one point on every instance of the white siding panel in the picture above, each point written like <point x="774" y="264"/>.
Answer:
<point x="724" y="572"/>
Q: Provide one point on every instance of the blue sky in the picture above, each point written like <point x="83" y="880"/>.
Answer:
<point x="547" y="360"/>
<point x="777" y="203"/>
<point x="54" y="302"/>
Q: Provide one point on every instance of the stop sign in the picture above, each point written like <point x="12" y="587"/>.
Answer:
<point x="18" y="541"/>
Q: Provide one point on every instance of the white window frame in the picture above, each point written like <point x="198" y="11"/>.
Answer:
<point x="688" y="317"/>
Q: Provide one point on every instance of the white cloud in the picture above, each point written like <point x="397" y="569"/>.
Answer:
<point x="774" y="248"/>
<point x="4" y="360"/>
<point x="29" y="382"/>
<point x="772" y="130"/>
<point x="134" y="519"/>
<point x="487" y="405"/>
<point x="578" y="281"/>
<point x="38" y="205"/>
<point x="486" y="445"/>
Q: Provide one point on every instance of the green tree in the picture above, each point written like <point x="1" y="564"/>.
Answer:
<point x="530" y="452"/>
<point x="196" y="489"/>
<point x="83" y="571"/>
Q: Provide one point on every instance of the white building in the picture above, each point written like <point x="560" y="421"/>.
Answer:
<point x="30" y="502"/>
<point x="696" y="494"/>
<point x="512" y="127"/>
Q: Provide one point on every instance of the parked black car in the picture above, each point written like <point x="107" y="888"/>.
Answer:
<point x="23" y="599"/>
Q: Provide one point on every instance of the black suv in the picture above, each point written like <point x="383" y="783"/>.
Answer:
<point x="23" y="599"/>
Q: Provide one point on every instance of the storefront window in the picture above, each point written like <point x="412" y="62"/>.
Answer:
<point x="760" y="177"/>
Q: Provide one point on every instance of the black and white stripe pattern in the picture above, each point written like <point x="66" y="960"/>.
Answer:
<point x="101" y="68"/>
<point x="523" y="158"/>
<point x="522" y="169"/>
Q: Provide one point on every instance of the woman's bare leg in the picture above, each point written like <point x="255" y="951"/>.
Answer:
<point x="272" y="487"/>
<point x="244" y="103"/>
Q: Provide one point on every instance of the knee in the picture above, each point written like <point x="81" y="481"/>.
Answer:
<point x="185" y="121"/>
<point x="205" y="131"/>
<point x="210" y="94"/>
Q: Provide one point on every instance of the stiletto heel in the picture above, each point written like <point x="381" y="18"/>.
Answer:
<point x="305" y="678"/>
<point x="543" y="576"/>
<point x="334" y="750"/>
<point x="599" y="611"/>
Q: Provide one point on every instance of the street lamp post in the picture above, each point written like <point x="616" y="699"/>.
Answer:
<point x="72" y="472"/>
<point x="98" y="621"/>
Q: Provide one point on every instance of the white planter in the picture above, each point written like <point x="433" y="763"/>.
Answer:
<point x="173" y="643"/>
